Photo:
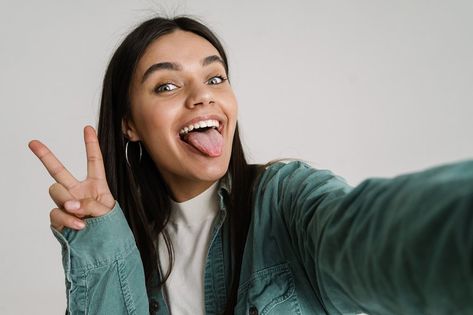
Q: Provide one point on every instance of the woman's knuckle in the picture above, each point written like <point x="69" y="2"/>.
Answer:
<point x="54" y="216"/>
<point x="87" y="203"/>
<point x="52" y="213"/>
<point x="52" y="188"/>
<point x="71" y="222"/>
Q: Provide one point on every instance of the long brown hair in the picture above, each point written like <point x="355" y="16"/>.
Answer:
<point x="140" y="188"/>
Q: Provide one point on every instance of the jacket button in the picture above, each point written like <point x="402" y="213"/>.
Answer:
<point x="153" y="305"/>
<point x="253" y="311"/>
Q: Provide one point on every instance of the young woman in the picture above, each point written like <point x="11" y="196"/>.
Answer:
<point x="172" y="219"/>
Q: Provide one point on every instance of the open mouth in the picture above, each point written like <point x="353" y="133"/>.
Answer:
<point x="200" y="126"/>
<point x="205" y="136"/>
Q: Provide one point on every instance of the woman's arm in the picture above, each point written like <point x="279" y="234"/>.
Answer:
<point x="388" y="246"/>
<point x="103" y="269"/>
<point x="104" y="273"/>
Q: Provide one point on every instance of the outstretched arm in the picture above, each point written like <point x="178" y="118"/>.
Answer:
<point x="388" y="246"/>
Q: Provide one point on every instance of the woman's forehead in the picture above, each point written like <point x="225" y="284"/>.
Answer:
<point x="179" y="47"/>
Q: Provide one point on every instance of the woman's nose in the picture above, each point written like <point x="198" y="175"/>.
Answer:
<point x="200" y="95"/>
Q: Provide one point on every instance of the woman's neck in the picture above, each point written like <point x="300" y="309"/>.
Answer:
<point x="181" y="192"/>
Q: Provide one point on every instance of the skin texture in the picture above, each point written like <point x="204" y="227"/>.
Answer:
<point x="160" y="106"/>
<point x="193" y="91"/>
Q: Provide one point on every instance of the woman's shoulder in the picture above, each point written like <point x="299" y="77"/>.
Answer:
<point x="289" y="172"/>
<point x="285" y="165"/>
<point x="288" y="167"/>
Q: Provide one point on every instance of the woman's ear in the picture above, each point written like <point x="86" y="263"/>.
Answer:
<point x="129" y="130"/>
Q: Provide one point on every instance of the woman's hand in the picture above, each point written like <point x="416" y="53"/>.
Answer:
<point x="75" y="199"/>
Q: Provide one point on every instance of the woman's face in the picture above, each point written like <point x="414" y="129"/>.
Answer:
<point x="181" y="82"/>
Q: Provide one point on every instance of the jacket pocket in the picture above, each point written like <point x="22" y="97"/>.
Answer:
<point x="268" y="291"/>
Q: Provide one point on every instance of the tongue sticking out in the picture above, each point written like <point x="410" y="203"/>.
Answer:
<point x="209" y="142"/>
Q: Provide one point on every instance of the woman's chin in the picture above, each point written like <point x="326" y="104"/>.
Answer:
<point x="211" y="172"/>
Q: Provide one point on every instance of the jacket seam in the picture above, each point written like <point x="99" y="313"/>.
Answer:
<point x="127" y="296"/>
<point x="102" y="262"/>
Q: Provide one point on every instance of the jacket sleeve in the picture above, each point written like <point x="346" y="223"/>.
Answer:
<point x="103" y="269"/>
<point x="388" y="246"/>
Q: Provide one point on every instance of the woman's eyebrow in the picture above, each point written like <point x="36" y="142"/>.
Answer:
<point x="160" y="66"/>
<point x="211" y="59"/>
<point x="177" y="67"/>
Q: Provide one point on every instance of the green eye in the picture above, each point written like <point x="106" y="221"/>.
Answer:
<point x="167" y="87"/>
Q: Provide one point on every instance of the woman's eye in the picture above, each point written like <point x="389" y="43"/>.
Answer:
<point x="167" y="87"/>
<point x="216" y="80"/>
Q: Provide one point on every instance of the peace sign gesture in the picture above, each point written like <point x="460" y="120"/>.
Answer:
<point x="76" y="199"/>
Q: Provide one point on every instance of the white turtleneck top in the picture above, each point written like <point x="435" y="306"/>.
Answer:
<point x="189" y="230"/>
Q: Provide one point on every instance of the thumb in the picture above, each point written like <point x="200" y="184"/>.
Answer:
<point x="87" y="207"/>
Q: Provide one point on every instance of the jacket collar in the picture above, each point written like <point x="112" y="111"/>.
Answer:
<point x="224" y="189"/>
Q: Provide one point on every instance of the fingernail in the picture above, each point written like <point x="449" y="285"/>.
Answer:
<point x="79" y="224"/>
<point x="72" y="205"/>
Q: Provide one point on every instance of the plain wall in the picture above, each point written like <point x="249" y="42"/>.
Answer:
<point x="364" y="88"/>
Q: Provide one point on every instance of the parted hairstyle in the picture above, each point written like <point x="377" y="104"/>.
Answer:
<point x="140" y="188"/>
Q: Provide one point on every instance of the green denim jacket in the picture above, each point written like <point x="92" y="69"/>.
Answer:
<point x="315" y="246"/>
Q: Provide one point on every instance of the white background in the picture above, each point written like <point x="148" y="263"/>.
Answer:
<point x="364" y="88"/>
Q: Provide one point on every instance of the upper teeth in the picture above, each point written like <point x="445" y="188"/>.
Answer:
<point x="200" y="124"/>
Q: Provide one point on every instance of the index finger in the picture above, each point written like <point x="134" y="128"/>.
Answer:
<point x="52" y="164"/>
<point x="95" y="167"/>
